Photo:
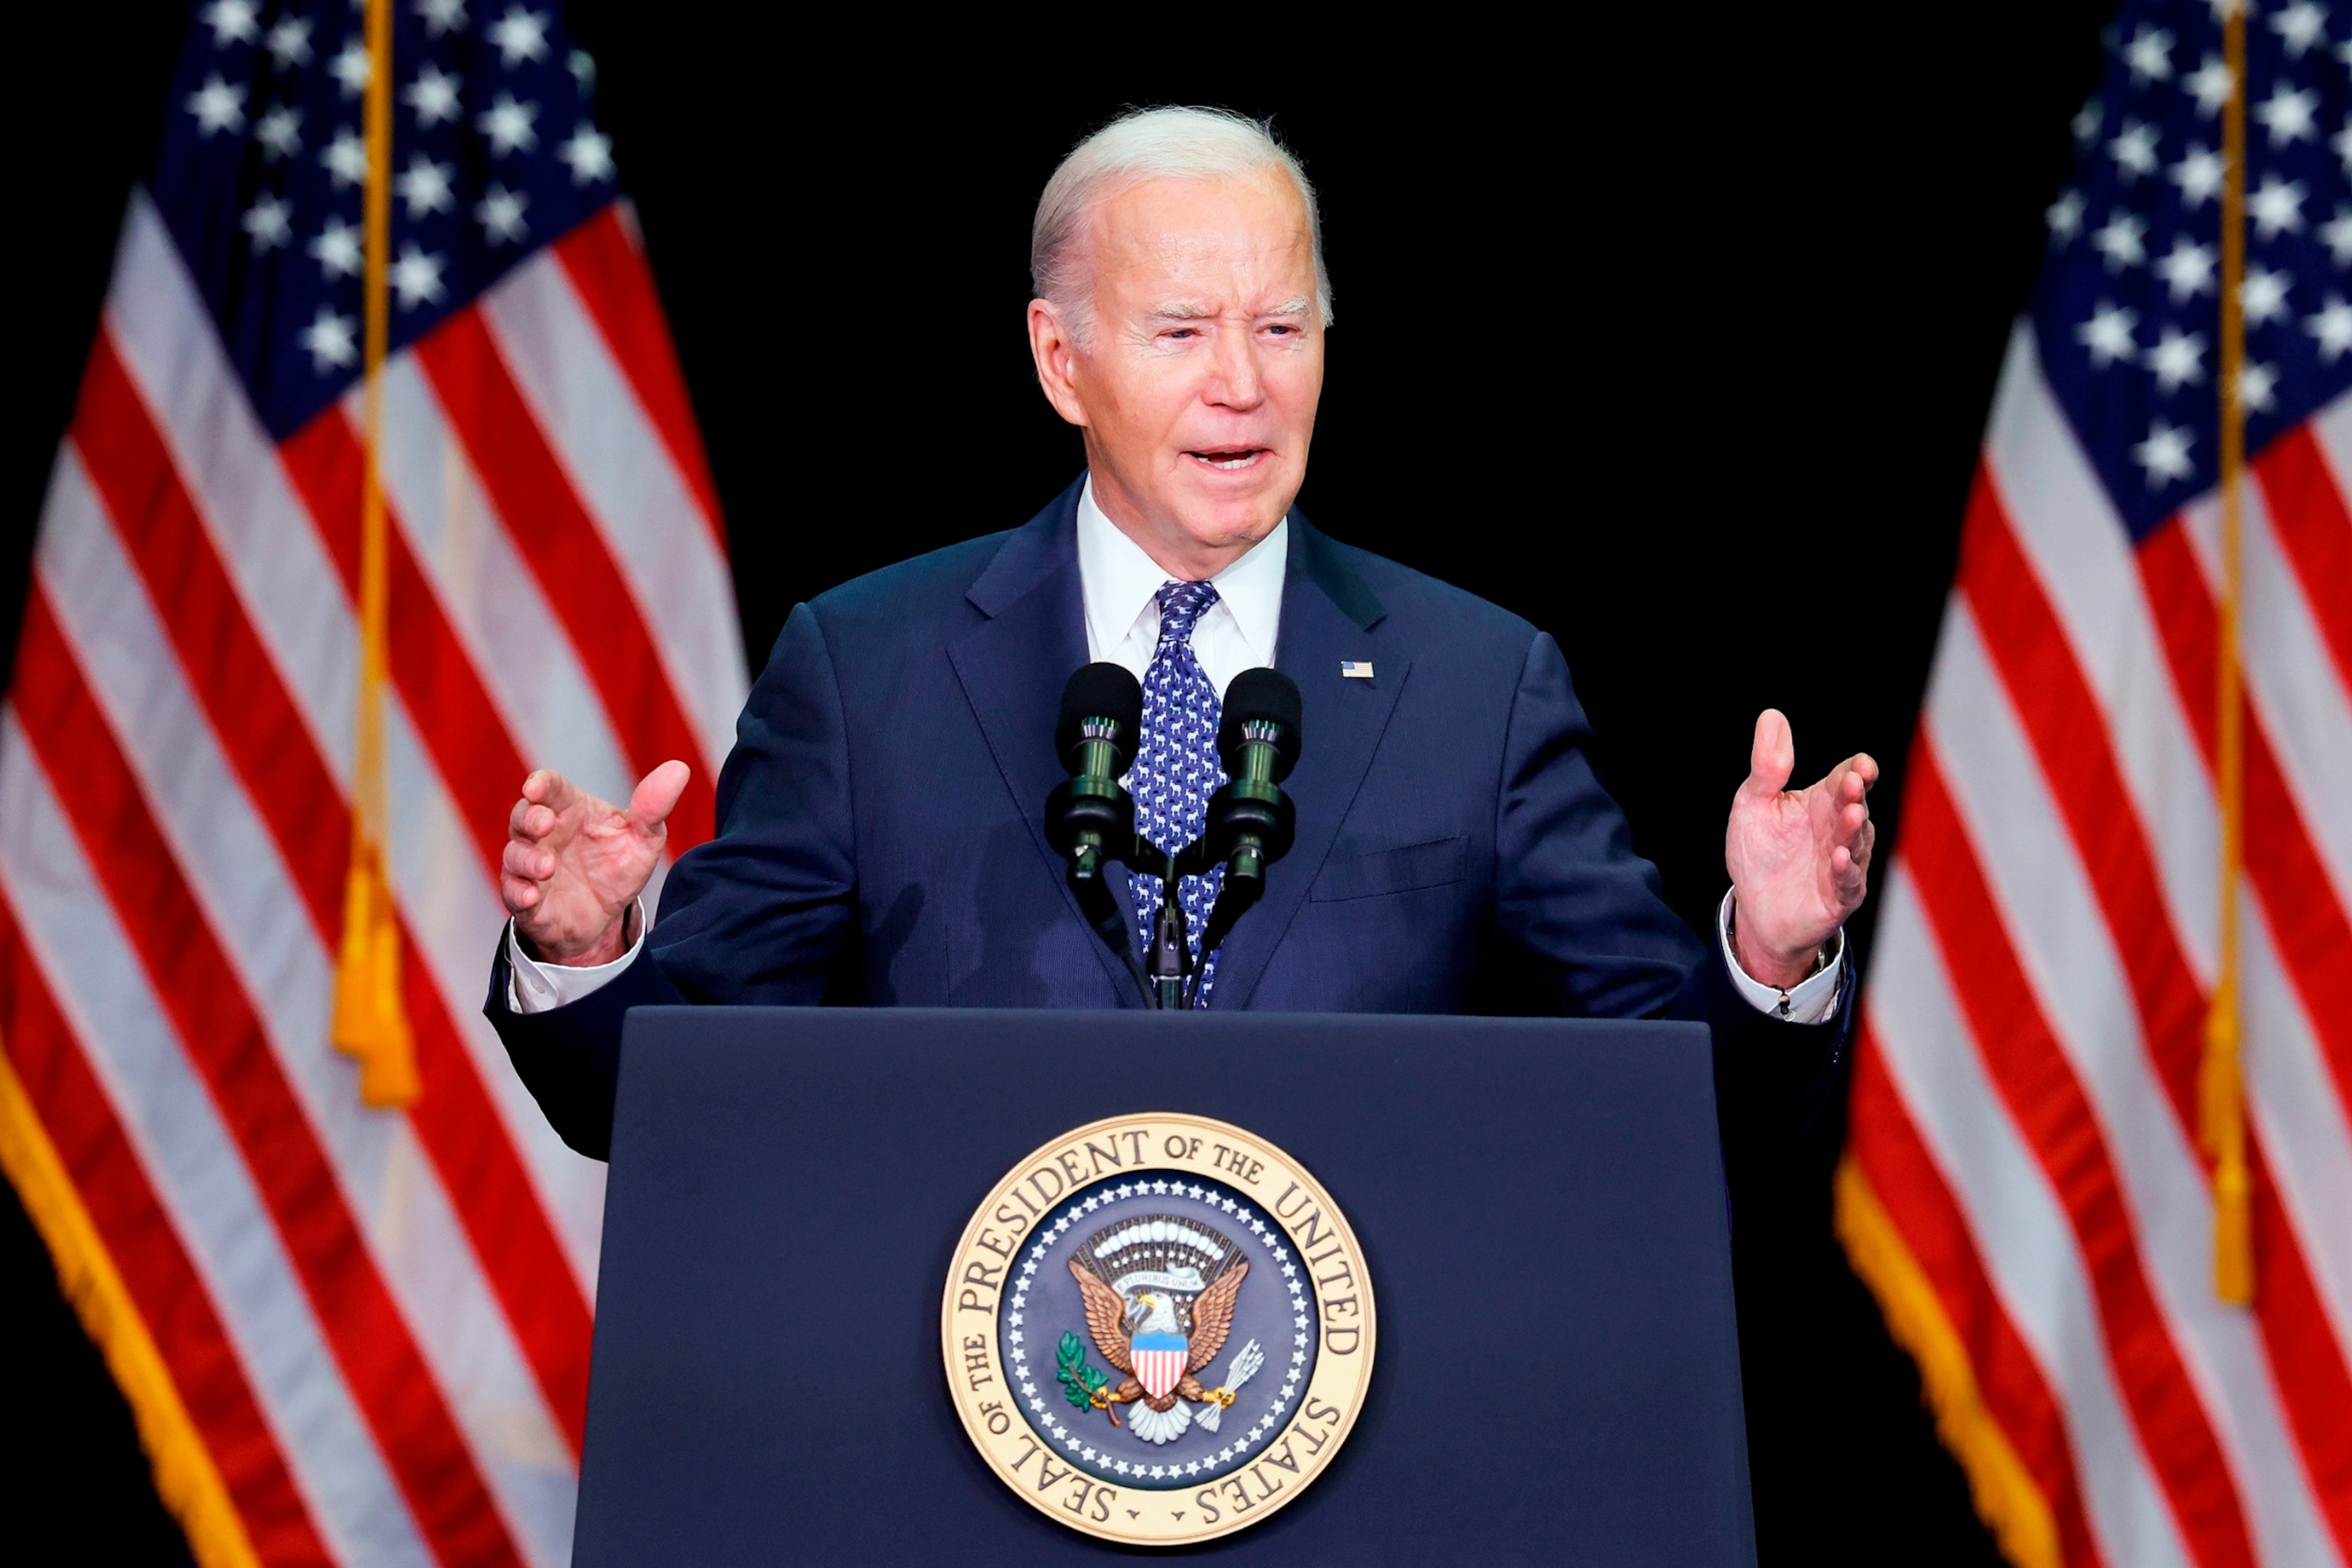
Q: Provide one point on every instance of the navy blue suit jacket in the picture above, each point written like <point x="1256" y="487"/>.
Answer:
<point x="881" y="840"/>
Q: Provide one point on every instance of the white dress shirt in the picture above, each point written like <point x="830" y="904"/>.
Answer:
<point x="1121" y="586"/>
<point x="1810" y="1001"/>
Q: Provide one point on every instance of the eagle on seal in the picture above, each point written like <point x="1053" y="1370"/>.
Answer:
<point x="1157" y="1320"/>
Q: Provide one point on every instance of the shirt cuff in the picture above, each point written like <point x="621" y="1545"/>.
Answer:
<point x="1810" y="1001"/>
<point x="536" y="987"/>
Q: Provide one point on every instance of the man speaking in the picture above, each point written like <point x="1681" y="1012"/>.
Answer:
<point x="881" y="836"/>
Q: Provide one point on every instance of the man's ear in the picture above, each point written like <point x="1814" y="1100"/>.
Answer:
<point x="1054" y="348"/>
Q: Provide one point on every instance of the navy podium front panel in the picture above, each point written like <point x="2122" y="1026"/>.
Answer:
<point x="1539" y="1204"/>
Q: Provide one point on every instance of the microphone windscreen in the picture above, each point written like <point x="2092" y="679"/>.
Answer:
<point x="1266" y="696"/>
<point x="1102" y="691"/>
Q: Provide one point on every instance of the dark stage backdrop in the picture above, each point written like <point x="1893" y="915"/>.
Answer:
<point x="1674" y="333"/>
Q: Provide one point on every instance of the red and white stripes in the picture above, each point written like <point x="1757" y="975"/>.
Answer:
<point x="377" y="1324"/>
<point x="2025" y="1104"/>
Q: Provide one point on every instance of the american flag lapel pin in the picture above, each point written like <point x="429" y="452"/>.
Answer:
<point x="1355" y="668"/>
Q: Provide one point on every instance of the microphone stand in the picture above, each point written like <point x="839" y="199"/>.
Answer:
<point x="1169" y="961"/>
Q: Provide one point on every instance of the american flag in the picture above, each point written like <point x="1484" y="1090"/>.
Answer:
<point x="2029" y="1185"/>
<point x="347" y="1334"/>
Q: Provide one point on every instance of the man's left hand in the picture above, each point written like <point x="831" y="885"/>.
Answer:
<point x="1799" y="860"/>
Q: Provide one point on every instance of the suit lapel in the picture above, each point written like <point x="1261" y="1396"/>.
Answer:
<point x="1328" y="615"/>
<point x="1013" y="668"/>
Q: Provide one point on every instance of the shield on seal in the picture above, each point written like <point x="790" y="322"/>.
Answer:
<point x="1159" y="1362"/>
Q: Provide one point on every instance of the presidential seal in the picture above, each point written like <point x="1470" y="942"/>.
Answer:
<point x="1158" y="1329"/>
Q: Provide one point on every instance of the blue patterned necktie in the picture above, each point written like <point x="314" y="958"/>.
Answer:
<point x="1176" y="769"/>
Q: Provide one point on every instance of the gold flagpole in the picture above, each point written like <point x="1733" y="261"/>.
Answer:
<point x="2221" y="1110"/>
<point x="370" y="1024"/>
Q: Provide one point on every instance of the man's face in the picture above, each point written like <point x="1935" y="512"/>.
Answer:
<point x="1197" y="381"/>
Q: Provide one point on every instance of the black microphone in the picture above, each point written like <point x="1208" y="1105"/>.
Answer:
<point x="1088" y="818"/>
<point x="1251" y="822"/>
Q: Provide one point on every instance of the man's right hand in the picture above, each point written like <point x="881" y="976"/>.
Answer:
<point x="574" y="864"/>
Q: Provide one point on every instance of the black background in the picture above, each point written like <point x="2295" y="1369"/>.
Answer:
<point x="1672" y="329"/>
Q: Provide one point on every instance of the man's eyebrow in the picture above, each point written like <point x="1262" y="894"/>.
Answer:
<point x="1183" y="310"/>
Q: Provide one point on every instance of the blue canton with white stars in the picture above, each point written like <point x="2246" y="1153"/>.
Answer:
<point x="2127" y="310"/>
<point x="262" y="173"/>
<point x="1176" y="769"/>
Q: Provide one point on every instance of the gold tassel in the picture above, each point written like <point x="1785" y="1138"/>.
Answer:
<point x="370" y="1024"/>
<point x="2220" y="1084"/>
<point x="2221" y="1128"/>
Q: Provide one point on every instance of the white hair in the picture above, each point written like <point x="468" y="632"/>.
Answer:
<point x="1170" y="143"/>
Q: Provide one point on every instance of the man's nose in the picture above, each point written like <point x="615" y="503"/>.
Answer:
<point x="1238" y="383"/>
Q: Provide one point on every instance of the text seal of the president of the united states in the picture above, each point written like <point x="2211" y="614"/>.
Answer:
<point x="1158" y="1329"/>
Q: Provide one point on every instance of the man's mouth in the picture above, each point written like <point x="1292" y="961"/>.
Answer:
<point x="1230" y="459"/>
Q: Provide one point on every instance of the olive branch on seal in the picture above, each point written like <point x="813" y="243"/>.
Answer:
<point x="1081" y="1382"/>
